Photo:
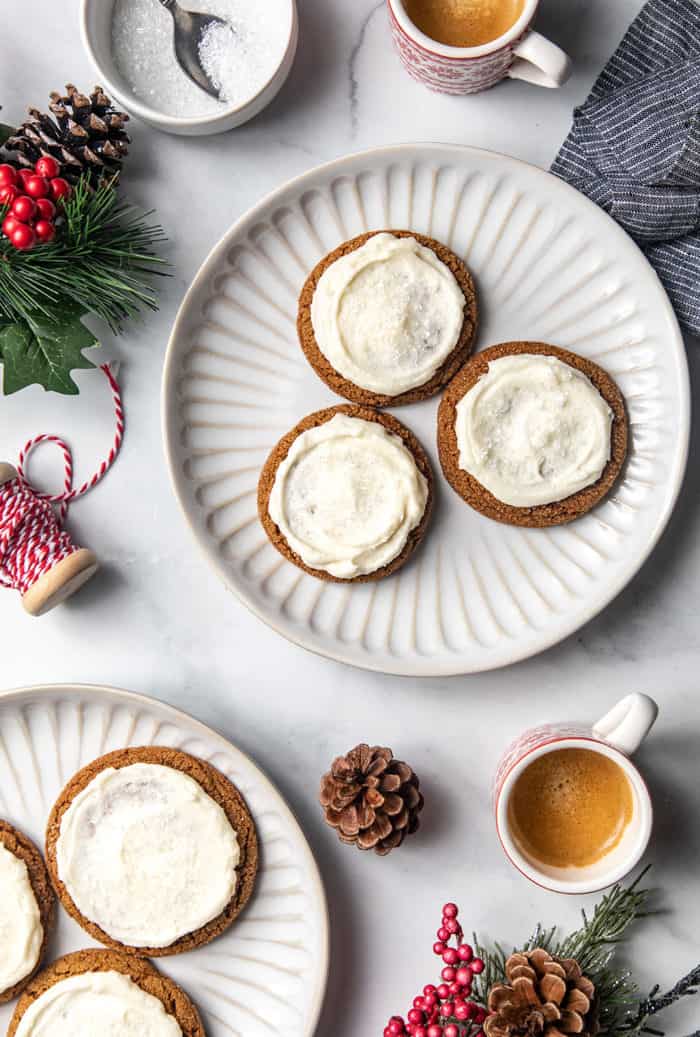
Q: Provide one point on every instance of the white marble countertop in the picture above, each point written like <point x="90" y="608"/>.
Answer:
<point x="157" y="620"/>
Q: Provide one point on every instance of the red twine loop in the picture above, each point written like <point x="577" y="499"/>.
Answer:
<point x="32" y="540"/>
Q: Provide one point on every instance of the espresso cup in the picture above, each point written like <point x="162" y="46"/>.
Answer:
<point x="520" y="53"/>
<point x="616" y="736"/>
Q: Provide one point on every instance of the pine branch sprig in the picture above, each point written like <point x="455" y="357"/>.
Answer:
<point x="103" y="260"/>
<point x="592" y="946"/>
<point x="494" y="969"/>
<point x="647" y="1009"/>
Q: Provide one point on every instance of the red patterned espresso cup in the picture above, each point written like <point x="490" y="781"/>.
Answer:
<point x="617" y="735"/>
<point x="520" y="53"/>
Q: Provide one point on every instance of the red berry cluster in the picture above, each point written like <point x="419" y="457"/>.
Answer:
<point x="31" y="196"/>
<point x="446" y="1010"/>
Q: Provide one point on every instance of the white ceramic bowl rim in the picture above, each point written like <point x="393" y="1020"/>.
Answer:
<point x="616" y="871"/>
<point x="136" y="107"/>
<point x="444" y="50"/>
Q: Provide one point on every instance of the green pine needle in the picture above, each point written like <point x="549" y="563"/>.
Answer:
<point x="103" y="259"/>
<point x="636" y="1023"/>
<point x="622" y="1012"/>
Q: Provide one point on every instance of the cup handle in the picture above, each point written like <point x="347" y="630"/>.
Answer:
<point x="628" y="723"/>
<point x="539" y="61"/>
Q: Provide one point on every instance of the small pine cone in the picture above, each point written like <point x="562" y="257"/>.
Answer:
<point x="544" y="996"/>
<point x="86" y="136"/>
<point x="371" y="799"/>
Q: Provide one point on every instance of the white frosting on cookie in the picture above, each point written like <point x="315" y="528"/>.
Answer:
<point x="21" y="931"/>
<point x="533" y="430"/>
<point x="388" y="314"/>
<point x="347" y="496"/>
<point x="97" y="1004"/>
<point x="147" y="854"/>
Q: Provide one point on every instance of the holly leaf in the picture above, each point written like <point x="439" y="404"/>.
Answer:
<point x="44" y="350"/>
<point x="5" y="133"/>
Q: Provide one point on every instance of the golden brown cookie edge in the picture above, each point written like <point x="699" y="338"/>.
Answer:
<point x="280" y="451"/>
<point x="340" y="385"/>
<point x="216" y="785"/>
<point x="22" y="847"/>
<point x="543" y="515"/>
<point x="174" y="999"/>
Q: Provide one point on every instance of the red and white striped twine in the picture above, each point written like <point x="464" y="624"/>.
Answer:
<point x="32" y="540"/>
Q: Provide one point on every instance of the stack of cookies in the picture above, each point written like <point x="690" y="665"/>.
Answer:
<point x="153" y="852"/>
<point x="527" y="433"/>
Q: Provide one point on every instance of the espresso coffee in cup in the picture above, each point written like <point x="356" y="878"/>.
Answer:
<point x="464" y="23"/>
<point x="573" y="812"/>
<point x="464" y="46"/>
<point x="569" y="808"/>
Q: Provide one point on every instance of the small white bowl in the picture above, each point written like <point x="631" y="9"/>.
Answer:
<point x="96" y="31"/>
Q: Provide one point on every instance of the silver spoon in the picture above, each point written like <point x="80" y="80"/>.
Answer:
<point x="189" y="27"/>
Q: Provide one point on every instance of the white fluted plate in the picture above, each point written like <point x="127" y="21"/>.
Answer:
<point x="549" y="265"/>
<point x="266" y="975"/>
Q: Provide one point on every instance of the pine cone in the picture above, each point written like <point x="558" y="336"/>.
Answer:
<point x="546" y="995"/>
<point x="86" y="135"/>
<point x="371" y="799"/>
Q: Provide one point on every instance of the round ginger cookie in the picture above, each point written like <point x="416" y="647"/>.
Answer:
<point x="279" y="453"/>
<point x="21" y="847"/>
<point x="447" y="370"/>
<point x="138" y="970"/>
<point x="542" y="515"/>
<point x="217" y="787"/>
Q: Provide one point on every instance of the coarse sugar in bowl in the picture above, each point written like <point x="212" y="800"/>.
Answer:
<point x="131" y="45"/>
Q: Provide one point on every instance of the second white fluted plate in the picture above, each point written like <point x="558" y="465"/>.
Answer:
<point x="550" y="266"/>
<point x="263" y="977"/>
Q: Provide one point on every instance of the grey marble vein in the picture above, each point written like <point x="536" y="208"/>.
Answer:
<point x="354" y="85"/>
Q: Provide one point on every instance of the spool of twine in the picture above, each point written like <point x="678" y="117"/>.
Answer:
<point x="37" y="556"/>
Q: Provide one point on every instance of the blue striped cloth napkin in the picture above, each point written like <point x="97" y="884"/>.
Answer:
<point x="634" y="147"/>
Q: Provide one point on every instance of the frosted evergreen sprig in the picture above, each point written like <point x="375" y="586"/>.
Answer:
<point x="622" y="1013"/>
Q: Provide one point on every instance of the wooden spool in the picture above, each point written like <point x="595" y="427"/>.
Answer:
<point x="60" y="582"/>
